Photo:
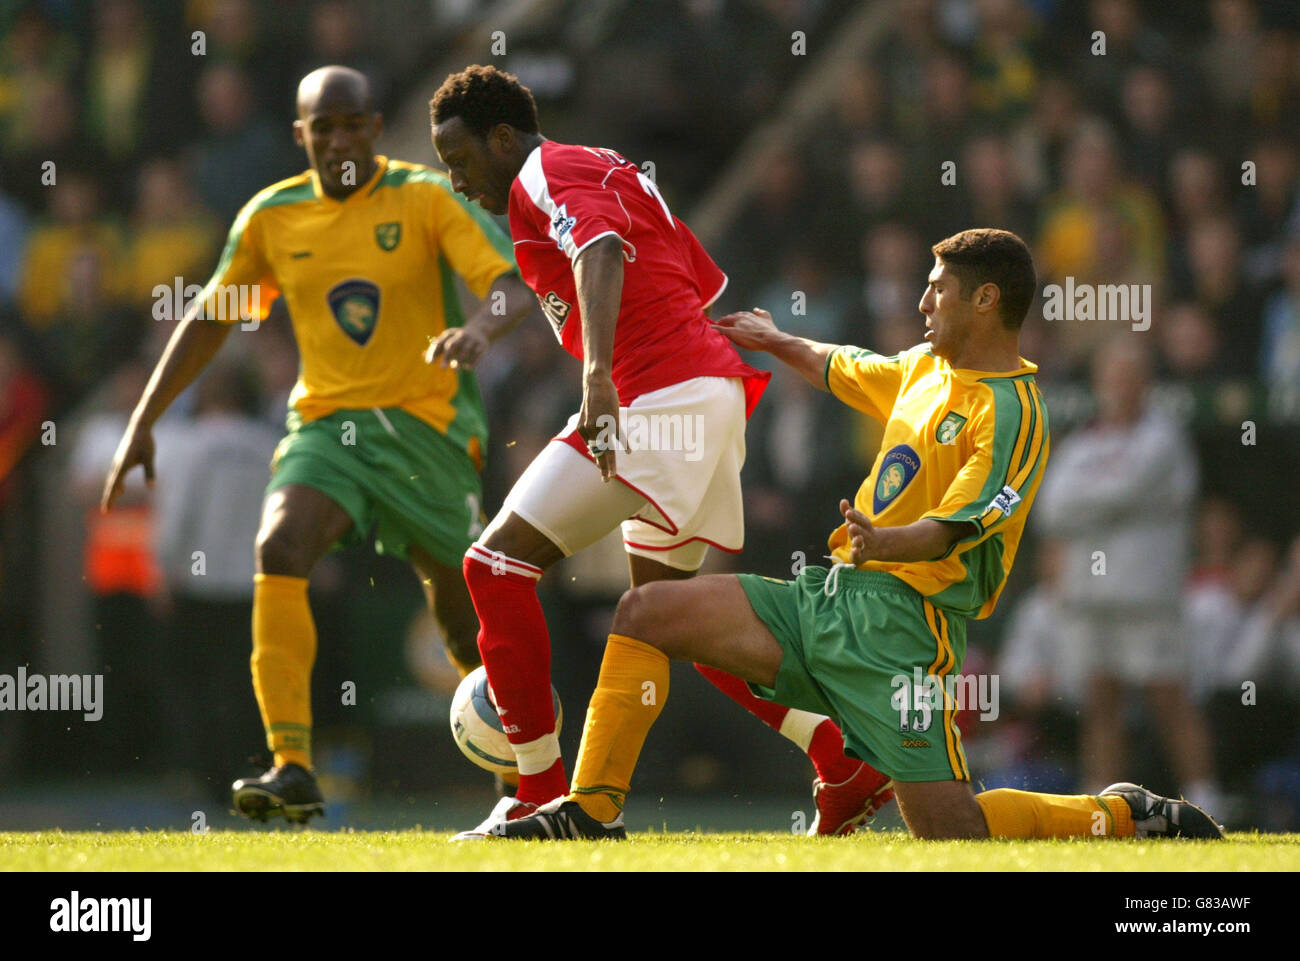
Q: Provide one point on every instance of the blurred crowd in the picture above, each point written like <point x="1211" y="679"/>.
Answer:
<point x="1128" y="141"/>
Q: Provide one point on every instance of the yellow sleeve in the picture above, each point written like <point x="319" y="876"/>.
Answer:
<point x="866" y="381"/>
<point x="1010" y="446"/>
<point x="470" y="239"/>
<point x="243" y="281"/>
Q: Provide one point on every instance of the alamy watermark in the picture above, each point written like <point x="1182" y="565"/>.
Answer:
<point x="225" y="303"/>
<point x="1130" y="303"/>
<point x="658" y="432"/>
<point x="53" y="692"/>
<point x="919" y="697"/>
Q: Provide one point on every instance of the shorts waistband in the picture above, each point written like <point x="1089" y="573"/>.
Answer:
<point x="852" y="577"/>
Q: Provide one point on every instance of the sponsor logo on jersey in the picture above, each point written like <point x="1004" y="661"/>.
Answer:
<point x="897" y="469"/>
<point x="1006" y="500"/>
<point x="915" y="742"/>
<point x="355" y="304"/>
<point x="556" y="310"/>
<point x="388" y="235"/>
<point x="949" y="428"/>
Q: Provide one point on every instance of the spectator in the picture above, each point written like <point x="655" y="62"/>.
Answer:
<point x="1120" y="495"/>
<point x="1279" y="359"/>
<point x="172" y="234"/>
<point x="206" y="523"/>
<point x="1210" y="269"/>
<point x="241" y="151"/>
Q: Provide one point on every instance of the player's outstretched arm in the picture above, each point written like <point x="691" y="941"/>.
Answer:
<point x="465" y="346"/>
<point x="193" y="344"/>
<point x="755" y="330"/>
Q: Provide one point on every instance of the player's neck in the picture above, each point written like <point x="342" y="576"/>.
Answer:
<point x="529" y="142"/>
<point x="993" y="358"/>
<point x="363" y="178"/>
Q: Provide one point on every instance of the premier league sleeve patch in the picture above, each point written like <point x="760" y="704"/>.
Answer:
<point x="1005" y="501"/>
<point x="897" y="469"/>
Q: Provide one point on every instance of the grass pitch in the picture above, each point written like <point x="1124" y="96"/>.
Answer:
<point x="310" y="850"/>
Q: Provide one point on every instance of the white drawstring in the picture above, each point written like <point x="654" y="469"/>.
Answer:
<point x="833" y="578"/>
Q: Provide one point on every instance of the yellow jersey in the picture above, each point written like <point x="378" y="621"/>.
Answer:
<point x="959" y="446"/>
<point x="368" y="281"/>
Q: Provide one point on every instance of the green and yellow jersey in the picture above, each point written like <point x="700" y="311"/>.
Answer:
<point x="960" y="446"/>
<point x="368" y="281"/>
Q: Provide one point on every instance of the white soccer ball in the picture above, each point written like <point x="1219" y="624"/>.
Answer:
<point x="476" y="726"/>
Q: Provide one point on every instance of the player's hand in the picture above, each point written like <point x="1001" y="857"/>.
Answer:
<point x="136" y="447"/>
<point x="750" y="330"/>
<point x="457" y="348"/>
<point x="598" y="422"/>
<point x="862" y="534"/>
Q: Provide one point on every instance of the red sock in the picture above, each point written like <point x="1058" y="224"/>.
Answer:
<point x="516" y="651"/>
<point x="827" y="754"/>
<point x="769" y="712"/>
<point x="825" y="750"/>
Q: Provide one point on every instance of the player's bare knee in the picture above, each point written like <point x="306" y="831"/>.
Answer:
<point x="636" y="616"/>
<point x="279" y="552"/>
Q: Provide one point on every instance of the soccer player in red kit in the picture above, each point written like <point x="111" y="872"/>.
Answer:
<point x="657" y="446"/>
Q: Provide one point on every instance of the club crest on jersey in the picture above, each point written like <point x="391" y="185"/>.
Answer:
<point x="355" y="304"/>
<point x="897" y="469"/>
<point x="389" y="235"/>
<point x="949" y="428"/>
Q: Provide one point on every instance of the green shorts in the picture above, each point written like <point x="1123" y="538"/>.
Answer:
<point x="392" y="473"/>
<point x="874" y="656"/>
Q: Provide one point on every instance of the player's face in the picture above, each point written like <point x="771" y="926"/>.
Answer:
<point x="477" y="166"/>
<point x="948" y="316"/>
<point x="340" y="145"/>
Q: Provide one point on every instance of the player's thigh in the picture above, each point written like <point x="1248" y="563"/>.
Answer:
<point x="299" y="524"/>
<point x="940" y="809"/>
<point x="705" y="619"/>
<point x="558" y="506"/>
<point x="645" y="570"/>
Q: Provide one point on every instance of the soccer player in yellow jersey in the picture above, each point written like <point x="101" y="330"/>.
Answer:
<point x="365" y="251"/>
<point x="876" y="640"/>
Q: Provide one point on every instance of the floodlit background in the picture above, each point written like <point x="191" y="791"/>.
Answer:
<point x="818" y="149"/>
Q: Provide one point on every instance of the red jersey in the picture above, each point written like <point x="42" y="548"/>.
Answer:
<point x="565" y="198"/>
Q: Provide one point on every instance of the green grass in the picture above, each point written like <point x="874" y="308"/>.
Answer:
<point x="428" y="851"/>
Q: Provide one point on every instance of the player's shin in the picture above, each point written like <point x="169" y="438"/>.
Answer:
<point x="814" y="734"/>
<point x="516" y="650"/>
<point x="1024" y="814"/>
<point x="284" y="649"/>
<point x="629" y="695"/>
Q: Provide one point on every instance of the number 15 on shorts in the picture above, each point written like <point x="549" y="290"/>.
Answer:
<point x="914" y="699"/>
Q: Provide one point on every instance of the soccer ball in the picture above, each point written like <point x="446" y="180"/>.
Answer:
<point x="476" y="726"/>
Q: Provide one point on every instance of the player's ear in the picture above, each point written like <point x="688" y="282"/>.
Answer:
<point x="987" y="297"/>
<point x="298" y="136"/>
<point x="502" y="136"/>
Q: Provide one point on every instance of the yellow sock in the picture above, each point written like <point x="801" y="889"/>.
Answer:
<point x="1023" y="814"/>
<point x="629" y="695"/>
<point x="284" y="650"/>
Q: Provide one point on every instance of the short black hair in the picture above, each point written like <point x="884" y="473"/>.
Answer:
<point x="989" y="256"/>
<point x="483" y="97"/>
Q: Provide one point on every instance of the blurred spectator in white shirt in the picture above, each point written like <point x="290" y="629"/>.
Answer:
<point x="1119" y="493"/>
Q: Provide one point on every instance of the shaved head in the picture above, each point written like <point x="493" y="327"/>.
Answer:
<point x="337" y="125"/>
<point x="334" y="88"/>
